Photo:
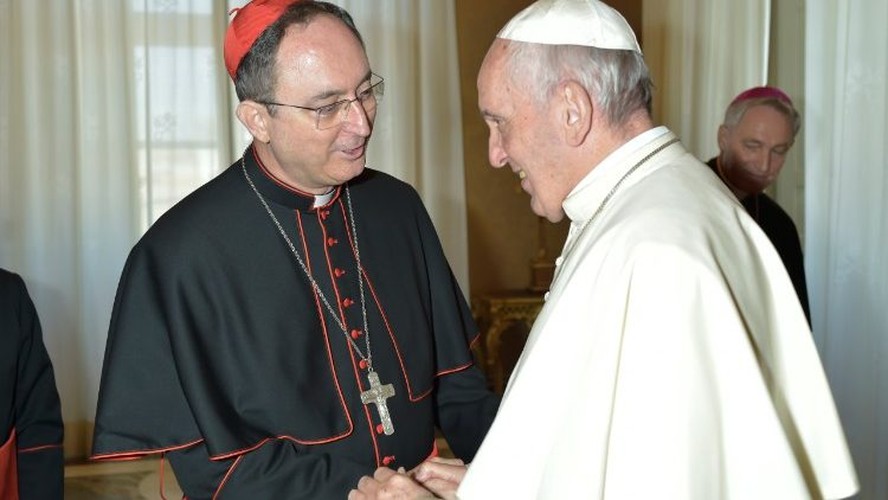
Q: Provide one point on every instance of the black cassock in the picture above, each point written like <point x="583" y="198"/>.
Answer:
<point x="221" y="356"/>
<point x="31" y="428"/>
<point x="782" y="232"/>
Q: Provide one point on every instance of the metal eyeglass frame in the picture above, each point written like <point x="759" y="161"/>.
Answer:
<point x="327" y="114"/>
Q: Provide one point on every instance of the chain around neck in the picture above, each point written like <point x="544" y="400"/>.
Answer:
<point x="610" y="195"/>
<point x="368" y="358"/>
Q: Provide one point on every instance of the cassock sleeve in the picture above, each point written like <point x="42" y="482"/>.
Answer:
<point x="465" y="410"/>
<point x="465" y="406"/>
<point x="277" y="469"/>
<point x="38" y="417"/>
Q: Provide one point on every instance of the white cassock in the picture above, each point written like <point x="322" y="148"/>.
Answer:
<point x="672" y="359"/>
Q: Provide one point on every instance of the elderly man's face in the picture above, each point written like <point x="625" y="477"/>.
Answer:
<point x="753" y="151"/>
<point x="317" y="65"/>
<point x="522" y="135"/>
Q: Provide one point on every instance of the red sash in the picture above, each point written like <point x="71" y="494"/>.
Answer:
<point x="8" y="469"/>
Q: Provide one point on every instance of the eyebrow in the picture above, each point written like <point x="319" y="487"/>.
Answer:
<point x="324" y="95"/>
<point x="487" y="115"/>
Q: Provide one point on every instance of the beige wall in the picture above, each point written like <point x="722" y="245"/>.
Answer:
<point x="504" y="235"/>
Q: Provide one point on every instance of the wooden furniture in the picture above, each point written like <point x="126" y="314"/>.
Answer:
<point x="505" y="319"/>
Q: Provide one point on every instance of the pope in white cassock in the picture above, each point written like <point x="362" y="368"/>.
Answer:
<point x="672" y="358"/>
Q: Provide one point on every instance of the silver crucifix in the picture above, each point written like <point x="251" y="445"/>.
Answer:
<point x="377" y="394"/>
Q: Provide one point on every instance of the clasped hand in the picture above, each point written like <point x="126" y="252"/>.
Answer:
<point x="434" y="478"/>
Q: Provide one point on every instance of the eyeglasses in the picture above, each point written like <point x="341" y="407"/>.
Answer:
<point x="331" y="115"/>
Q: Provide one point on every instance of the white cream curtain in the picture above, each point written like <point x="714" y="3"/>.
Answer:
<point x="701" y="54"/>
<point x="846" y="122"/>
<point x="110" y="112"/>
<point x="67" y="183"/>
<point x="418" y="134"/>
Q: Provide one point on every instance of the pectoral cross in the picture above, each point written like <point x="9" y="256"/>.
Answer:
<point x="377" y="394"/>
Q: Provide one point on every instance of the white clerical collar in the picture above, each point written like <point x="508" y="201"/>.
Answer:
<point x="588" y="193"/>
<point x="619" y="155"/>
<point x="323" y="199"/>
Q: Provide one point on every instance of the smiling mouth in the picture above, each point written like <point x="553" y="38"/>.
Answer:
<point x="354" y="152"/>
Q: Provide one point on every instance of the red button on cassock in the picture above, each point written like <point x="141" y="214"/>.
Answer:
<point x="346" y="302"/>
<point x="355" y="333"/>
<point x="388" y="460"/>
<point x="331" y="241"/>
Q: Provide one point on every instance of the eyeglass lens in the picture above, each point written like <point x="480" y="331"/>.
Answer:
<point x="333" y="114"/>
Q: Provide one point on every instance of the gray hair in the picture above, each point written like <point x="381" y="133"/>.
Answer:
<point x="617" y="80"/>
<point x="737" y="109"/>
<point x="256" y="78"/>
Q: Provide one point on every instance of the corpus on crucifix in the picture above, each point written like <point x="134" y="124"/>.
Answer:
<point x="377" y="394"/>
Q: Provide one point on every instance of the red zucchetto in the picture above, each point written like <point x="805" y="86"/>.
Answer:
<point x="249" y="22"/>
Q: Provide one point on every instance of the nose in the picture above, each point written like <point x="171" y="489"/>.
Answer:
<point x="496" y="154"/>
<point x="358" y="120"/>
<point x="764" y="163"/>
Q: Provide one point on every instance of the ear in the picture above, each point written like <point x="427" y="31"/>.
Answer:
<point x="255" y="117"/>
<point x="576" y="112"/>
<point x="722" y="137"/>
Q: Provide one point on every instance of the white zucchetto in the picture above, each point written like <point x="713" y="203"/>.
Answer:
<point x="589" y="23"/>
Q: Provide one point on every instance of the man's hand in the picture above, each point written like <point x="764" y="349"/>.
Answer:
<point x="440" y="475"/>
<point x="435" y="478"/>
<point x="387" y="484"/>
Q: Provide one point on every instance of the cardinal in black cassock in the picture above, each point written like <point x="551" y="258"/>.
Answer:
<point x="31" y="430"/>
<point x="223" y="357"/>
<point x="293" y="324"/>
